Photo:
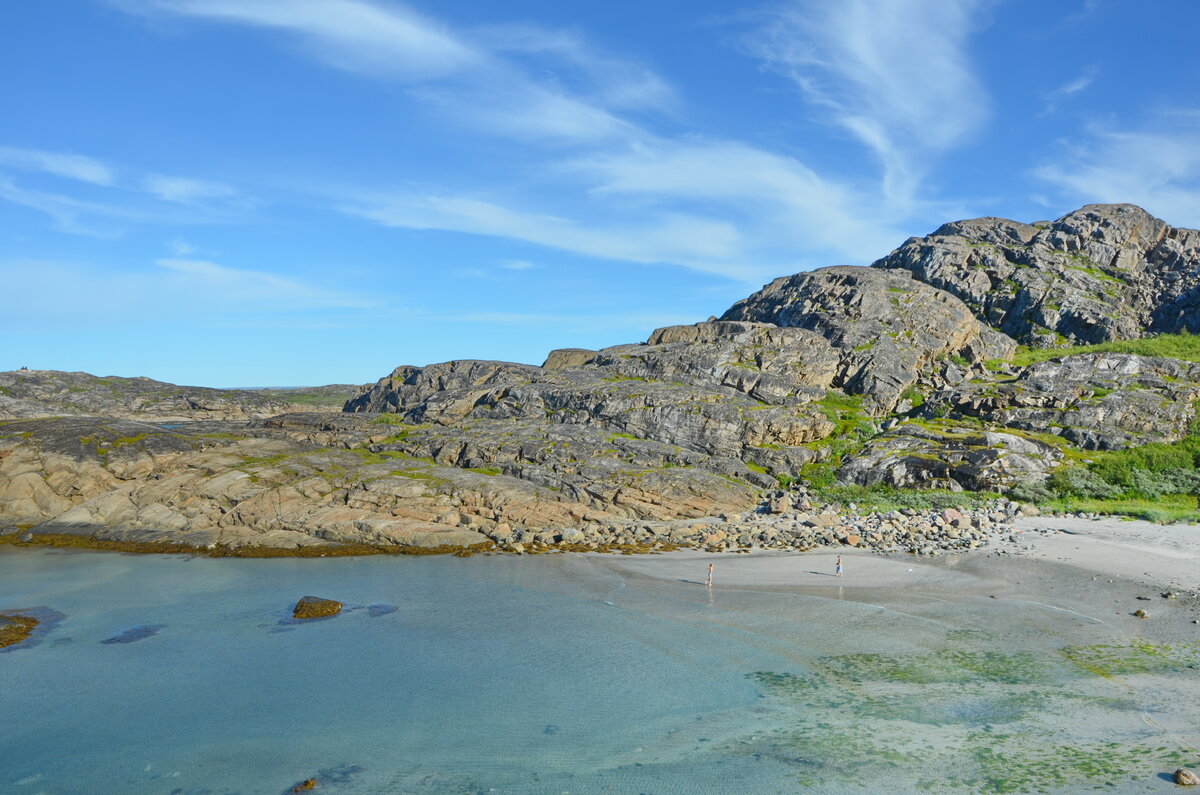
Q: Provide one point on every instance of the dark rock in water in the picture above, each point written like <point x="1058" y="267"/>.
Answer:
<point x="134" y="634"/>
<point x="15" y="628"/>
<point x="316" y="607"/>
<point x="27" y="627"/>
<point x="550" y="729"/>
<point x="381" y="610"/>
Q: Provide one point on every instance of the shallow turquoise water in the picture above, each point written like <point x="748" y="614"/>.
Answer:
<point x="551" y="674"/>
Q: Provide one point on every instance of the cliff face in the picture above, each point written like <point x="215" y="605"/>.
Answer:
<point x="902" y="373"/>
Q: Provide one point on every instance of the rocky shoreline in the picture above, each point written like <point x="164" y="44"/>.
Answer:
<point x="784" y="520"/>
<point x="790" y="520"/>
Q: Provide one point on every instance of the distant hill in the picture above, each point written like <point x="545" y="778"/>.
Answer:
<point x="45" y="393"/>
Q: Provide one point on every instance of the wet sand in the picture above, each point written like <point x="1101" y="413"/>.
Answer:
<point x="1102" y="571"/>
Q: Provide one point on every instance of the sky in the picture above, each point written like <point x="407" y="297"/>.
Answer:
<point x="298" y="192"/>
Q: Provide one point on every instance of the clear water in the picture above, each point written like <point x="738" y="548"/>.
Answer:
<point x="558" y="674"/>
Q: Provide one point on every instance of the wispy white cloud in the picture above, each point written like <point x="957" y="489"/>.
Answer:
<point x="182" y="248"/>
<point x="896" y="75"/>
<point x="705" y="244"/>
<point x="776" y="201"/>
<point x="186" y="190"/>
<point x="70" y="166"/>
<point x="517" y="265"/>
<point x="713" y="206"/>
<point x="570" y="61"/>
<point x="68" y="212"/>
<point x="1071" y="88"/>
<point x="68" y="292"/>
<point x="469" y="78"/>
<point x="235" y="287"/>
<point x="624" y="192"/>
<point x="1157" y="167"/>
<point x="355" y="35"/>
<point x="95" y="202"/>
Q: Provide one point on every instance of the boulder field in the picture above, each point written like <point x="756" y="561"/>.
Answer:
<point x="964" y="360"/>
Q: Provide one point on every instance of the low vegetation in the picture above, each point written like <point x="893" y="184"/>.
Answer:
<point x="1158" y="481"/>
<point x="1175" y="346"/>
<point x="887" y="498"/>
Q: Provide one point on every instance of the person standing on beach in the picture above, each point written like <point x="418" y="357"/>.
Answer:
<point x="837" y="570"/>
<point x="708" y="582"/>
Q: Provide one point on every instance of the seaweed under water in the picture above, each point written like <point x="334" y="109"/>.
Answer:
<point x="981" y="721"/>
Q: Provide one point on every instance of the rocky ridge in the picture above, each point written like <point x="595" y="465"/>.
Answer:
<point x="26" y="394"/>
<point x="1103" y="272"/>
<point x="901" y="374"/>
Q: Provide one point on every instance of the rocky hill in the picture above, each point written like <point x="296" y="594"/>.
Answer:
<point x="50" y="393"/>
<point x="989" y="356"/>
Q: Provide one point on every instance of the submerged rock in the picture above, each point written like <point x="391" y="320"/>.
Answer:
<point x="15" y="628"/>
<point x="316" y="607"/>
<point x="134" y="634"/>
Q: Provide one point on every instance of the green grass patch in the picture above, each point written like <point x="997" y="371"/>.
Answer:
<point x="1185" y="347"/>
<point x="1168" y="508"/>
<point x="913" y="396"/>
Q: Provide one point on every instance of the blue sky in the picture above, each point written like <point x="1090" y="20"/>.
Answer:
<point x="283" y="192"/>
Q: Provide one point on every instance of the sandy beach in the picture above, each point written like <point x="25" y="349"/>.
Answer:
<point x="1102" y="570"/>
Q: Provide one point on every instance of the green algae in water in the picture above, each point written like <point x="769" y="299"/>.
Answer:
<point x="1135" y="658"/>
<point x="951" y="666"/>
<point x="933" y="718"/>
<point x="979" y="761"/>
<point x="1011" y="764"/>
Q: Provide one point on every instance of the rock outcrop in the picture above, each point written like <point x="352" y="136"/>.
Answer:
<point x="889" y="331"/>
<point x="901" y="374"/>
<point x="938" y="455"/>
<point x="1104" y="272"/>
<point x="1097" y="401"/>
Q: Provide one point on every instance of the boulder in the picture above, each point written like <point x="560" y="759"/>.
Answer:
<point x="1186" y="778"/>
<point x="316" y="607"/>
